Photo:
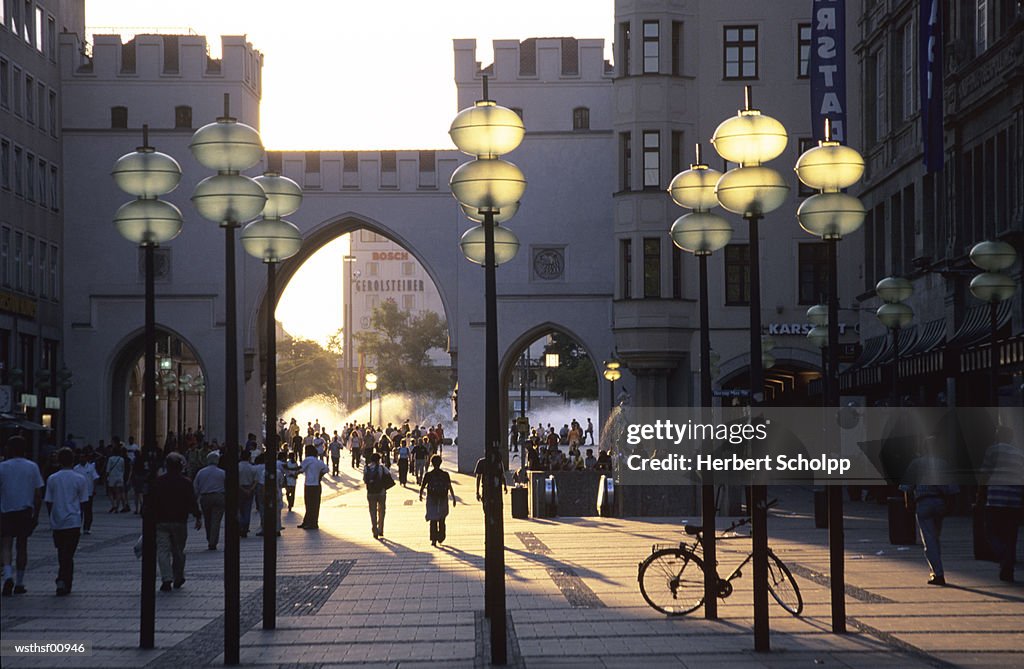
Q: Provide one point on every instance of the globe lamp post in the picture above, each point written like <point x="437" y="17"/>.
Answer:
<point x="272" y="239"/>
<point x="148" y="222"/>
<point x="831" y="214"/>
<point x="993" y="286"/>
<point x="894" y="315"/>
<point x="229" y="199"/>
<point x="490" y="186"/>
<point x="750" y="139"/>
<point x="702" y="233"/>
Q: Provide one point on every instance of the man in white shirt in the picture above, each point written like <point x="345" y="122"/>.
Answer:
<point x="246" y="490"/>
<point x="133" y="449"/>
<point x="209" y="487"/>
<point x="21" y="495"/>
<point x="66" y="492"/>
<point x="313" y="469"/>
<point x="87" y="470"/>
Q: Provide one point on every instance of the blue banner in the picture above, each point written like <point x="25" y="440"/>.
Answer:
<point x="929" y="46"/>
<point x="827" y="68"/>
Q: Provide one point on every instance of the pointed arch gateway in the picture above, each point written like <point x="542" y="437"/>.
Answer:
<point x="512" y="370"/>
<point x="181" y="392"/>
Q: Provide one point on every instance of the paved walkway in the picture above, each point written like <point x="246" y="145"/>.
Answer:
<point x="346" y="599"/>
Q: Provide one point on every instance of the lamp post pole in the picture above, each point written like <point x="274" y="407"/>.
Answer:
<point x="836" y="536"/>
<point x="270" y="487"/>
<point x="147" y="628"/>
<point x="494" y="517"/>
<point x="707" y="489"/>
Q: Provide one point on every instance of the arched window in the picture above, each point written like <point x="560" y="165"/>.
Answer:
<point x="118" y="117"/>
<point x="581" y="118"/>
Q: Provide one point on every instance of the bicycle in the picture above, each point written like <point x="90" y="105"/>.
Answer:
<point x="672" y="577"/>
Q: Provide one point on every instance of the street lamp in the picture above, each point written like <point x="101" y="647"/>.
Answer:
<point x="752" y="190"/>
<point x="371" y="385"/>
<point x="229" y="199"/>
<point x="146" y="173"/>
<point x="490" y="186"/>
<point x="612" y="374"/>
<point x="272" y="239"/>
<point x="830" y="215"/>
<point x="993" y="286"/>
<point x="702" y="233"/>
<point x="348" y="261"/>
<point x="894" y="315"/>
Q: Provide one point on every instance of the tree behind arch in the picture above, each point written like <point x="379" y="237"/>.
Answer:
<point x="396" y="350"/>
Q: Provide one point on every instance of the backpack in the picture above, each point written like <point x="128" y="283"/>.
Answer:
<point x="437" y="486"/>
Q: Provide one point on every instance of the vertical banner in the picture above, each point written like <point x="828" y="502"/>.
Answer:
<point x="827" y="68"/>
<point x="929" y="46"/>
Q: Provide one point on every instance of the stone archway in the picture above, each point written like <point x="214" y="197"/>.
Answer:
<point x="510" y="359"/>
<point x="175" y="409"/>
<point x="315" y="238"/>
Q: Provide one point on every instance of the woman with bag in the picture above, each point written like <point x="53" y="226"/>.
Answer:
<point x="438" y="485"/>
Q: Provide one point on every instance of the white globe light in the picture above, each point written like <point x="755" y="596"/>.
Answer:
<point x="487" y="130"/>
<point x="283" y="195"/>
<point x="750" y="138"/>
<point x="831" y="215"/>
<point x="700" y="232"/>
<point x="830" y="167"/>
<point x="229" y="199"/>
<point x="227" y="146"/>
<point x="506" y="245"/>
<point x="751" y="191"/>
<point x="894" y="289"/>
<point x="146" y="173"/>
<point x="817" y="315"/>
<point x="895" y="315"/>
<point x="148" y="222"/>
<point x="993" y="256"/>
<point x="271" y="239"/>
<point x="488" y="184"/>
<point x="818" y="336"/>
<point x="695" y="188"/>
<point x="993" y="287"/>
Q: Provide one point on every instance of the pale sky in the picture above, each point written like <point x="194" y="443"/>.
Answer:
<point x="363" y="74"/>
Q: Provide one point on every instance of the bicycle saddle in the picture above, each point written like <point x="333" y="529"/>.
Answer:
<point x="693" y="529"/>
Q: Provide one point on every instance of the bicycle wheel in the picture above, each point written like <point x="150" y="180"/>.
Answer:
<point x="672" y="581"/>
<point x="783" y="586"/>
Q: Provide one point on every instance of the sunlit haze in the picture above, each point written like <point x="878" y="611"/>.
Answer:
<point x="347" y="74"/>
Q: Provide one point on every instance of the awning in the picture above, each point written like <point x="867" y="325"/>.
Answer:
<point x="976" y="325"/>
<point x="10" y="421"/>
<point x="925" y="356"/>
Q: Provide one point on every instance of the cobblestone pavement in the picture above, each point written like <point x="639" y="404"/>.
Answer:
<point x="346" y="599"/>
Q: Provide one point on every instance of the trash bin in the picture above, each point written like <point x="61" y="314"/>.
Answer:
<point x="820" y="507"/>
<point x="520" y="503"/>
<point x="606" y="496"/>
<point x="902" y="524"/>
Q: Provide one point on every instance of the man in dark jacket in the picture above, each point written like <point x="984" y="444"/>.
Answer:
<point x="171" y="500"/>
